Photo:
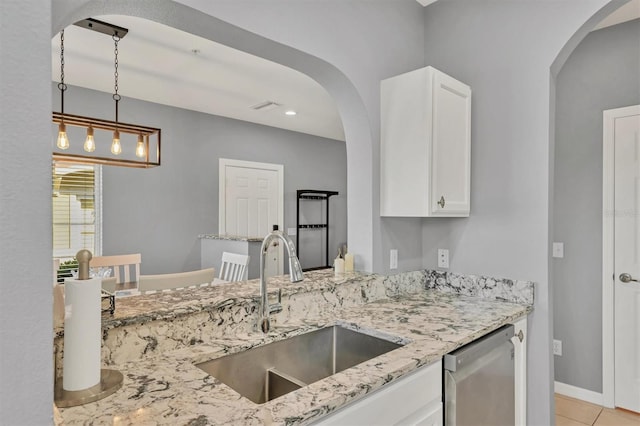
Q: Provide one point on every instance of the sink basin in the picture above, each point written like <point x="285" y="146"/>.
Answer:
<point x="266" y="372"/>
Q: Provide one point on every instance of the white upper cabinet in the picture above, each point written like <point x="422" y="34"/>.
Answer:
<point x="425" y="150"/>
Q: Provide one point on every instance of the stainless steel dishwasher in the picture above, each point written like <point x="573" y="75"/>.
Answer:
<point x="479" y="385"/>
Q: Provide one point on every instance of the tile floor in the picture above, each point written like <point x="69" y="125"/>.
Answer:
<point x="573" y="412"/>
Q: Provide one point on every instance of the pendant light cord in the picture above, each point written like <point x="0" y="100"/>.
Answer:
<point x="116" y="96"/>
<point x="61" y="85"/>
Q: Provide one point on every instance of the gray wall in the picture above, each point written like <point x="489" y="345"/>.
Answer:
<point x="504" y="51"/>
<point x="26" y="364"/>
<point x="603" y="72"/>
<point x="159" y="212"/>
<point x="367" y="40"/>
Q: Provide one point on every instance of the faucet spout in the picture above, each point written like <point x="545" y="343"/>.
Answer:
<point x="295" y="274"/>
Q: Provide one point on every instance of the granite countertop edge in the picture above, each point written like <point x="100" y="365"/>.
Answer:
<point x="143" y="308"/>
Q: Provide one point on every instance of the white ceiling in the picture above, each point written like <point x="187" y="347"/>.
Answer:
<point x="626" y="13"/>
<point x="158" y="64"/>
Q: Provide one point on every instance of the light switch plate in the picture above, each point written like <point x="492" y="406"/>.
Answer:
<point x="558" y="250"/>
<point x="443" y="258"/>
<point x="393" y="259"/>
<point x="557" y="347"/>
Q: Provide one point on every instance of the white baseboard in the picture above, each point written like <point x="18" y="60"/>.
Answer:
<point x="579" y="393"/>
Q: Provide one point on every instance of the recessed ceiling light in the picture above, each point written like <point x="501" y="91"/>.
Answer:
<point x="291" y="112"/>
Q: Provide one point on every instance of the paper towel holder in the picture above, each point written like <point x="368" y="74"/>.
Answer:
<point x="110" y="380"/>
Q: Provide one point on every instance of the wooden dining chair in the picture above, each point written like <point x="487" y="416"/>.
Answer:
<point x="233" y="267"/>
<point x="175" y="281"/>
<point x="125" y="267"/>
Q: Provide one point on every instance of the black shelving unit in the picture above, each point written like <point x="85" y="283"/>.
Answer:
<point x="317" y="195"/>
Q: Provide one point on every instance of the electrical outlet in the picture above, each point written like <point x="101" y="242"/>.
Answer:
<point x="558" y="250"/>
<point x="393" y="259"/>
<point x="443" y="258"/>
<point x="291" y="231"/>
<point x="557" y="347"/>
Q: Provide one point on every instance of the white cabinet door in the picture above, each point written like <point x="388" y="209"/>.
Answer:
<point x="428" y="416"/>
<point x="434" y="418"/>
<point x="451" y="152"/>
<point x="520" y="355"/>
<point x="412" y="400"/>
<point x="425" y="151"/>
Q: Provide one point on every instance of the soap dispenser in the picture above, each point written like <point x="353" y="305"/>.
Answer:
<point x="348" y="261"/>
<point x="338" y="263"/>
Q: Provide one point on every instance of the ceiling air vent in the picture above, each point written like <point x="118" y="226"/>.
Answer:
<point x="265" y="106"/>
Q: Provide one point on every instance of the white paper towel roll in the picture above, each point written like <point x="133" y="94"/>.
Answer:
<point x="82" y="329"/>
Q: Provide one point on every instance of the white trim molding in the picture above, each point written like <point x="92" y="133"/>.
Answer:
<point x="578" y="393"/>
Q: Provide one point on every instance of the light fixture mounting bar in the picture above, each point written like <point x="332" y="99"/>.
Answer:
<point x="102" y="27"/>
<point x="96" y="123"/>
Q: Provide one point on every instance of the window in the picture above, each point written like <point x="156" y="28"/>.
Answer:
<point x="77" y="209"/>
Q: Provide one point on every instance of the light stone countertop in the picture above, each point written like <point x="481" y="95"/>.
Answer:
<point x="228" y="237"/>
<point x="168" y="389"/>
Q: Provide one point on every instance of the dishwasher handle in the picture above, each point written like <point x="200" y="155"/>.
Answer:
<point x="476" y="349"/>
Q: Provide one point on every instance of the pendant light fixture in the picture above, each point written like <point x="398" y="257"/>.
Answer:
<point x="63" y="140"/>
<point x="130" y="143"/>
<point x="116" y="148"/>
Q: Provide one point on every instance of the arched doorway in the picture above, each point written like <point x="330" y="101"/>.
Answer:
<point x="359" y="142"/>
<point x="580" y="377"/>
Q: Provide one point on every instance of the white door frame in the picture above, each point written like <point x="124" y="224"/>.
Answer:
<point x="223" y="163"/>
<point x="608" y="278"/>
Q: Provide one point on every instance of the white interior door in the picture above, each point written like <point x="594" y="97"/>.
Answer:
<point x="627" y="261"/>
<point x="251" y="202"/>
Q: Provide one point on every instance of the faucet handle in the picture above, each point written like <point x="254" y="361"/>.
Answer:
<point x="265" y="325"/>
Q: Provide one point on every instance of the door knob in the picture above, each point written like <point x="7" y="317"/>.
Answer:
<point x="441" y="201"/>
<point x="625" y="278"/>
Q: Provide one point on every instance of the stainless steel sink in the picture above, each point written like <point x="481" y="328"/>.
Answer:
<point x="267" y="372"/>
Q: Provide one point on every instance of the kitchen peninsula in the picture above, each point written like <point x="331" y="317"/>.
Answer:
<point x="156" y="340"/>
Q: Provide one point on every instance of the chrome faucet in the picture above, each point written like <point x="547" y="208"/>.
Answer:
<point x="295" y="275"/>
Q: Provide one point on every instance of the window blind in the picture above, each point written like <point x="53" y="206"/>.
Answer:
<point x="75" y="209"/>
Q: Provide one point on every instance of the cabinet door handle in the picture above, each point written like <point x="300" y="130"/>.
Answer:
<point x="520" y="335"/>
<point x="441" y="201"/>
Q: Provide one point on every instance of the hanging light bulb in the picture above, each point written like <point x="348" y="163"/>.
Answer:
<point x="63" y="140"/>
<point x="141" y="150"/>
<point x="116" y="148"/>
<point x="89" y="143"/>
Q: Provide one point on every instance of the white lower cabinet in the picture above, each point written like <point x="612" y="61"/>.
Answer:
<point x="416" y="399"/>
<point x="412" y="400"/>
<point x="520" y="361"/>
